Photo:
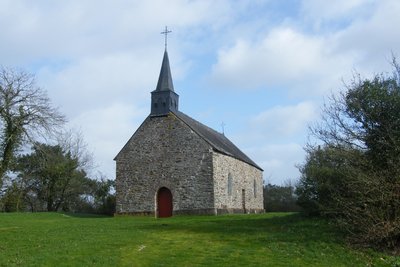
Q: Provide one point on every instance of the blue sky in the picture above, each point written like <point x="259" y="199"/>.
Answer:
<point x="263" y="68"/>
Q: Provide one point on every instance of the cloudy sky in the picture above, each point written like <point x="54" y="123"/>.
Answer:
<point x="262" y="67"/>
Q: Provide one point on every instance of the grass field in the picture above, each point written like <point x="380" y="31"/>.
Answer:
<point x="55" y="239"/>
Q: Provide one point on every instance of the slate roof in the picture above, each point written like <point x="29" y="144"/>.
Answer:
<point x="165" y="79"/>
<point x="218" y="141"/>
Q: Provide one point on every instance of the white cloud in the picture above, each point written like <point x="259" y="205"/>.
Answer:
<point x="313" y="62"/>
<point x="285" y="57"/>
<point x="371" y="39"/>
<point x="275" y="137"/>
<point x="279" y="161"/>
<point x="94" y="82"/>
<point x="107" y="130"/>
<point x="317" y="10"/>
<point x="60" y="30"/>
<point x="284" y="121"/>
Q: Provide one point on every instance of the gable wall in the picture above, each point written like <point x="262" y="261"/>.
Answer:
<point x="164" y="152"/>
<point x="243" y="177"/>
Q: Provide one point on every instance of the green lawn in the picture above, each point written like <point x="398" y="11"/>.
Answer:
<point x="55" y="239"/>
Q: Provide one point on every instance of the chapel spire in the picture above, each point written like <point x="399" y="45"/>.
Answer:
<point x="163" y="98"/>
<point x="165" y="79"/>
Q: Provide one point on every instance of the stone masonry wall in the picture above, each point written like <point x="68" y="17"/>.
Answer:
<point x="244" y="177"/>
<point x="164" y="152"/>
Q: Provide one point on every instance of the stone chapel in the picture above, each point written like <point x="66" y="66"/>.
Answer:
<point x="174" y="164"/>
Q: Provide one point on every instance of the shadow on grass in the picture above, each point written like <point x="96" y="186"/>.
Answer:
<point x="271" y="227"/>
<point x="85" y="215"/>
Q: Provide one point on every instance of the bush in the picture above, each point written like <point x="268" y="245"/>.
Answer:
<point x="354" y="176"/>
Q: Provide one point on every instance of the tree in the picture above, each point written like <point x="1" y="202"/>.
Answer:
<point x="98" y="197"/>
<point x="280" y="198"/>
<point x="52" y="175"/>
<point x="13" y="198"/>
<point x="25" y="114"/>
<point x="104" y="199"/>
<point x="326" y="173"/>
<point x="353" y="176"/>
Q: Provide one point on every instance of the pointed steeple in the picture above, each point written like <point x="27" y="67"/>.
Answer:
<point x="165" y="79"/>
<point x="164" y="99"/>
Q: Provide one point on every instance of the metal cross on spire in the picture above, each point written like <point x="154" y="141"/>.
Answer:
<point x="165" y="32"/>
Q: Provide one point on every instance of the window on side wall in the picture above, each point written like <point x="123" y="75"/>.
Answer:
<point x="255" y="188"/>
<point x="230" y="184"/>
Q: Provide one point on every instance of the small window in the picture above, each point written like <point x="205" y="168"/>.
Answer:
<point x="155" y="105"/>
<point x="229" y="184"/>
<point x="255" y="188"/>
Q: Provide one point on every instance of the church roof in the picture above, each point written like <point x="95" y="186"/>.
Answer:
<point x="218" y="141"/>
<point x="165" y="79"/>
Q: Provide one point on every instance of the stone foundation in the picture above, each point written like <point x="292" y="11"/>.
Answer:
<point x="196" y="212"/>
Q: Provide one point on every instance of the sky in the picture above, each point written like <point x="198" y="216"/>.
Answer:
<point x="261" y="68"/>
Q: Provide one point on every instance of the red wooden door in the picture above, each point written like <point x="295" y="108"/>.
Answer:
<point x="164" y="202"/>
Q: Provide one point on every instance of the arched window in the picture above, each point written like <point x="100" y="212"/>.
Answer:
<point x="229" y="184"/>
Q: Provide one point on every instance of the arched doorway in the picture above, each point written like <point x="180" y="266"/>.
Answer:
<point x="164" y="202"/>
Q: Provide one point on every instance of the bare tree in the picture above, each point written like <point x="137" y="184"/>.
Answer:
<point x="26" y="113"/>
<point x="72" y="141"/>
